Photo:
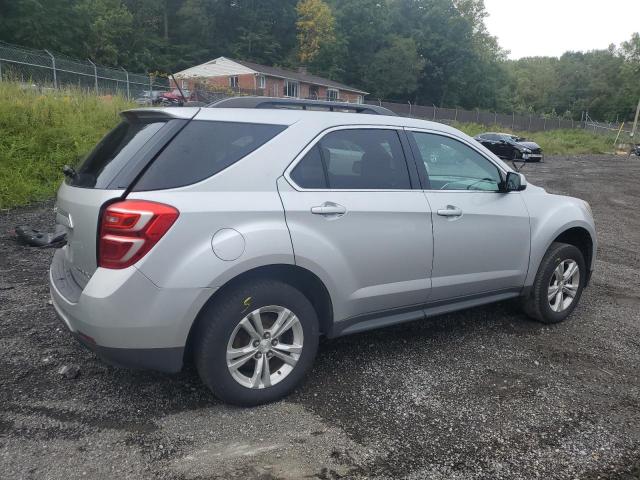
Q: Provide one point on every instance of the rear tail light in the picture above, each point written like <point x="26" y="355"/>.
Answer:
<point x="129" y="229"/>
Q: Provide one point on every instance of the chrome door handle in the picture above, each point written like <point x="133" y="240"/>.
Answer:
<point x="329" y="208"/>
<point x="450" y="211"/>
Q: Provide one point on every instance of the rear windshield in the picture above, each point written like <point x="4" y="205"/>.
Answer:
<point x="202" y="149"/>
<point x="109" y="156"/>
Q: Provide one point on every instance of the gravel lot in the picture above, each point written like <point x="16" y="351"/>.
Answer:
<point x="484" y="393"/>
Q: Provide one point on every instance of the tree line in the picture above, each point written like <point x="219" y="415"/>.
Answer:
<point x="430" y="52"/>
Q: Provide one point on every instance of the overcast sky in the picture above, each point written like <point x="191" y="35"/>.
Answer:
<point x="551" y="27"/>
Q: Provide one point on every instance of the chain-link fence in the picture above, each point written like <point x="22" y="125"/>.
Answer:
<point x="46" y="69"/>
<point x="513" y="121"/>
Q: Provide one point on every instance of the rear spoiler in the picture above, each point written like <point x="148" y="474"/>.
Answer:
<point x="147" y="114"/>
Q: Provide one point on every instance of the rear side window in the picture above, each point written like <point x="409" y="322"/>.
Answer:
<point x="203" y="149"/>
<point x="113" y="152"/>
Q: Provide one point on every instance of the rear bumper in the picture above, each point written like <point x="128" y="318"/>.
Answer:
<point x="126" y="319"/>
<point x="167" y="360"/>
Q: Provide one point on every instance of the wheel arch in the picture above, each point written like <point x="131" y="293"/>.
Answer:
<point x="580" y="238"/>
<point x="301" y="278"/>
<point x="575" y="233"/>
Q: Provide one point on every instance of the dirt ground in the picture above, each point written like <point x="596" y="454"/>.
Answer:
<point x="483" y="393"/>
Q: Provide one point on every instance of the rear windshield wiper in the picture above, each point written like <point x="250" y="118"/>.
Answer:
<point x="69" y="171"/>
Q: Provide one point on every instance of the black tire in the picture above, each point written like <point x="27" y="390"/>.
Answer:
<point x="536" y="305"/>
<point x="218" y="323"/>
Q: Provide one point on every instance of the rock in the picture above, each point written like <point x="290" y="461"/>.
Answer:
<point x="69" y="371"/>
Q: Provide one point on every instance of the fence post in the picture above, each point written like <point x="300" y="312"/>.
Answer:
<point x="0" y="71"/>
<point x="53" y="65"/>
<point x="529" y="129"/>
<point x="455" y="118"/>
<point x="544" y="125"/>
<point x="95" y="74"/>
<point x="150" y="84"/>
<point x="434" y="113"/>
<point x="495" y="118"/>
<point x="477" y="115"/>
<point x="127" y="74"/>
<point x="409" y="102"/>
<point x="513" y="119"/>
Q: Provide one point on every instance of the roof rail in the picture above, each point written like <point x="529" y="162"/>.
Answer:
<point x="299" y="104"/>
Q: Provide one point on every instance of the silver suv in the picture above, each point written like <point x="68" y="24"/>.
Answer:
<point x="235" y="237"/>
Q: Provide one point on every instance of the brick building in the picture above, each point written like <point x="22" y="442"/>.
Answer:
<point x="249" y="77"/>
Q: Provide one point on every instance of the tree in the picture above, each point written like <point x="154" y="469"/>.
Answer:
<point x="108" y="26"/>
<point x="315" y="27"/>
<point x="362" y="27"/>
<point x="395" y="69"/>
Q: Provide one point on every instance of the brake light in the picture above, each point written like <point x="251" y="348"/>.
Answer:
<point x="129" y="229"/>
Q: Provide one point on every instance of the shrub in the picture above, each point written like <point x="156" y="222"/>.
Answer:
<point x="40" y="131"/>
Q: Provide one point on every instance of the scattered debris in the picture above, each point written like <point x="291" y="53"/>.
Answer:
<point x="36" y="238"/>
<point x="69" y="371"/>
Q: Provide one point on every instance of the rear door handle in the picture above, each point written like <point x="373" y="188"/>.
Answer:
<point x="329" y="208"/>
<point x="450" y="211"/>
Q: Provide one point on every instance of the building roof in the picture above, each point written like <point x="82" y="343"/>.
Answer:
<point x="223" y="66"/>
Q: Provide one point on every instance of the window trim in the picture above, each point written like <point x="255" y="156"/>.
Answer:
<point x="262" y="82"/>
<point x="231" y="81"/>
<point x="408" y="155"/>
<point x="418" y="160"/>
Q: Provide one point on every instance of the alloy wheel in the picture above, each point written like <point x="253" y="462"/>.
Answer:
<point x="563" y="286"/>
<point x="265" y="347"/>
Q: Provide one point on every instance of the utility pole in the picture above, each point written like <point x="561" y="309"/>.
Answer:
<point x="635" y="121"/>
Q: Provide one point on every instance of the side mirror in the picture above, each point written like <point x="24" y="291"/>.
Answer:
<point x="515" y="182"/>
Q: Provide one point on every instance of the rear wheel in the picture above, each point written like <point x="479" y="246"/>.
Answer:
<point x="257" y="343"/>
<point x="558" y="284"/>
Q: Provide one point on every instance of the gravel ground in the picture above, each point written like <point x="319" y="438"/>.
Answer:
<point x="483" y="393"/>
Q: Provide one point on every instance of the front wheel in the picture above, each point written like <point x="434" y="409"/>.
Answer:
<point x="256" y="343"/>
<point x="558" y="284"/>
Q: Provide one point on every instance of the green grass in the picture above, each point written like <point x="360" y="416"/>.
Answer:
<point x="554" y="142"/>
<point x="41" y="132"/>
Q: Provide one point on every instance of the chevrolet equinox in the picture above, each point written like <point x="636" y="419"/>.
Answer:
<point x="236" y="235"/>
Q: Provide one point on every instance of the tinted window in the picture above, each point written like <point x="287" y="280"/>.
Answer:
<point x="452" y="165"/>
<point x="364" y="159"/>
<point x="309" y="172"/>
<point x="111" y="154"/>
<point x="203" y="149"/>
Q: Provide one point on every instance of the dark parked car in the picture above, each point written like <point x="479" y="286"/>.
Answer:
<point x="511" y="147"/>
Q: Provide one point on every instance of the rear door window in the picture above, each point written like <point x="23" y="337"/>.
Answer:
<point x="370" y="159"/>
<point x="113" y="152"/>
<point x="202" y="149"/>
